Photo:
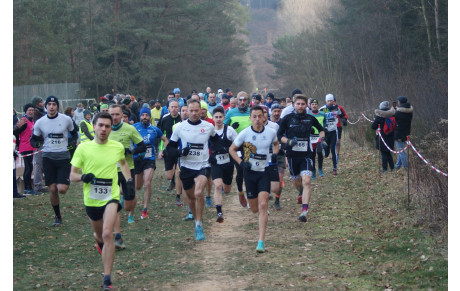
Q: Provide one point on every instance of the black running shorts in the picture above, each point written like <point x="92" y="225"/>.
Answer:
<point x="224" y="172"/>
<point x="188" y="176"/>
<point x="300" y="166"/>
<point x="97" y="213"/>
<point x="142" y="165"/>
<point x="273" y="173"/>
<point x="169" y="163"/>
<point x="56" y="171"/>
<point x="256" y="182"/>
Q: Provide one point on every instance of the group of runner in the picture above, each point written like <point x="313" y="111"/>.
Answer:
<point x="200" y="149"/>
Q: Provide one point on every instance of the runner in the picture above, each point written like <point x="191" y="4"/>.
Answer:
<point x="295" y="132"/>
<point x="39" y="112"/>
<point x="273" y="166"/>
<point x="222" y="165"/>
<point x="52" y="131"/>
<point x="275" y="117"/>
<point x="194" y="135"/>
<point x="238" y="118"/>
<point x="145" y="165"/>
<point x="204" y="116"/>
<point x="341" y="121"/>
<point x="165" y="125"/>
<point x="127" y="135"/>
<point x="320" y="115"/>
<point x="331" y="120"/>
<point x="101" y="193"/>
<point x="256" y="141"/>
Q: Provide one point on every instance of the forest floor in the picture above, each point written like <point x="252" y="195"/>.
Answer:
<point x="359" y="236"/>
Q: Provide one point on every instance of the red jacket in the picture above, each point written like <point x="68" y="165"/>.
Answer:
<point x="344" y="113"/>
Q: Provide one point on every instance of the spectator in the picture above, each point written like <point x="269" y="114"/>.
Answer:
<point x="39" y="112"/>
<point x="78" y="114"/>
<point x="384" y="112"/>
<point x="403" y="118"/>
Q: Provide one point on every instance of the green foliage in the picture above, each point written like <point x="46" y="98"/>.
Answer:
<point x="144" y="47"/>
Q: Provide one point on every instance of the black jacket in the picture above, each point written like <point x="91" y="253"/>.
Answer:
<point x="403" y="118"/>
<point x="380" y="117"/>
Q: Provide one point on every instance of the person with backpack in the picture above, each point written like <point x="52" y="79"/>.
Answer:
<point x="385" y="120"/>
<point x="403" y="118"/>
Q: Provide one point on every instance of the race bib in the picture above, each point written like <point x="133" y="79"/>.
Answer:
<point x="196" y="152"/>
<point x="314" y="139"/>
<point x="101" y="189"/>
<point x="257" y="162"/>
<point x="223" y="159"/>
<point x="56" y="140"/>
<point x="148" y="152"/>
<point x="301" y="146"/>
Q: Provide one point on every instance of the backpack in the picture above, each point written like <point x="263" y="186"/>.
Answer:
<point x="389" y="126"/>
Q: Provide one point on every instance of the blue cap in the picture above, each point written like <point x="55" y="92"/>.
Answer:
<point x="176" y="90"/>
<point x="145" y="110"/>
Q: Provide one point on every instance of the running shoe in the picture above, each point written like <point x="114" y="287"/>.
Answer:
<point x="243" y="200"/>
<point x="303" y="216"/>
<point x="171" y="186"/>
<point x="189" y="217"/>
<point x="199" y="234"/>
<point x="144" y="214"/>
<point x="107" y="288"/>
<point x="276" y="205"/>
<point x="299" y="198"/>
<point x="313" y="175"/>
<point x="57" y="221"/>
<point x="320" y="172"/>
<point x="208" y="202"/>
<point x="28" y="192"/>
<point x="130" y="219"/>
<point x="119" y="243"/>
<point x="178" y="202"/>
<point x="220" y="217"/>
<point x="260" y="247"/>
<point x="19" y="196"/>
<point x="334" y="172"/>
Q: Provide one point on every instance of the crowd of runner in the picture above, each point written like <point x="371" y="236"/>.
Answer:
<point x="113" y="147"/>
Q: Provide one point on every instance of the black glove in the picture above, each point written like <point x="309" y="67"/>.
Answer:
<point x="281" y="152"/>
<point x="344" y="121"/>
<point x="274" y="159"/>
<point x="86" y="178"/>
<point x="128" y="152"/>
<point x="235" y="125"/>
<point x="185" y="151"/>
<point x="245" y="165"/>
<point x="291" y="142"/>
<point x="131" y="191"/>
<point x="212" y="159"/>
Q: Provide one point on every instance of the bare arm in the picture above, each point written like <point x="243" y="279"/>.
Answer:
<point x="75" y="175"/>
<point x="233" y="154"/>
<point x="125" y="169"/>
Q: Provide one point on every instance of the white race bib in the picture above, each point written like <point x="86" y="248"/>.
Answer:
<point x="257" y="162"/>
<point x="223" y="159"/>
<point x="301" y="146"/>
<point x="56" y="140"/>
<point x="148" y="152"/>
<point x="196" y="152"/>
<point x="314" y="139"/>
<point x="101" y="189"/>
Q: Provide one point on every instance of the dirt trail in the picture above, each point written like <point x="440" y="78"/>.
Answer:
<point x="223" y="239"/>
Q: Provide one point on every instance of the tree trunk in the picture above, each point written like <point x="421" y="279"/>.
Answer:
<point x="115" y="57"/>
<point x="427" y="25"/>
<point x="72" y="64"/>
<point x="91" y="39"/>
<point x="29" y="62"/>
<point x="436" y="17"/>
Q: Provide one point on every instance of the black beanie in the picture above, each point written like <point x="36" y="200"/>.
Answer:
<point x="27" y="106"/>
<point x="295" y="91"/>
<point x="52" y="99"/>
